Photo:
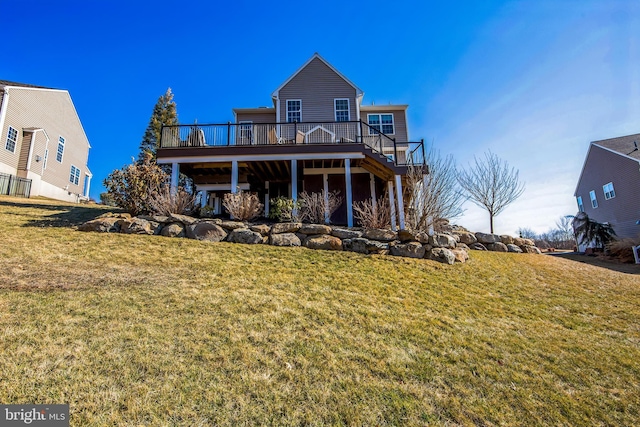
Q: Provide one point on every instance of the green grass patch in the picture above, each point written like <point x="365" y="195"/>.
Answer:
<point x="147" y="330"/>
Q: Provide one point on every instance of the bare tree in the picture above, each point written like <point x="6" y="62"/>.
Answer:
<point x="313" y="208"/>
<point x="491" y="184"/>
<point x="373" y="215"/>
<point x="433" y="196"/>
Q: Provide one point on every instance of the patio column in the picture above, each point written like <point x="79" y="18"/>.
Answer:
<point x="294" y="184"/>
<point x="203" y="198"/>
<point x="86" y="190"/>
<point x="175" y="174"/>
<point x="347" y="177"/>
<point x="372" y="189"/>
<point x="234" y="176"/>
<point x="266" y="199"/>
<point x="392" y="205"/>
<point x="325" y="187"/>
<point x="400" y="201"/>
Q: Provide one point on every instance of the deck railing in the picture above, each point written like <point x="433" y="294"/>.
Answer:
<point x="255" y="134"/>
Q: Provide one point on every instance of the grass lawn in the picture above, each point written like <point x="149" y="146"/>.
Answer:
<point x="147" y="330"/>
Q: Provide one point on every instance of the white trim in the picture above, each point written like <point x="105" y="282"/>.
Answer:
<point x="612" y="193"/>
<point x="400" y="201"/>
<point x="15" y="142"/>
<point x="294" y="184"/>
<point x="320" y="127"/>
<point x="594" y="199"/>
<point x="393" y="123"/>
<point x="332" y="171"/>
<point x="347" y="178"/>
<point x="75" y="175"/>
<point x="335" y="110"/>
<point x="234" y="176"/>
<point x="175" y="174"/>
<point x="392" y="205"/>
<point x="221" y="187"/>
<point x="35" y="88"/>
<point x="580" y="204"/>
<point x="286" y="105"/>
<point x="64" y="141"/>
<point x="325" y="187"/>
<point x="261" y="157"/>
<point x="3" y="110"/>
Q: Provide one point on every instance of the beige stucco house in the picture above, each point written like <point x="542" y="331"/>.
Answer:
<point x="44" y="150"/>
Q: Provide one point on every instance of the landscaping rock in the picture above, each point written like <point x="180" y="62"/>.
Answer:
<point x="485" y="238"/>
<point x="443" y="255"/>
<point x="406" y="236"/>
<point x="206" y="231"/>
<point x="284" y="239"/>
<point x="314" y="229"/>
<point x="120" y="215"/>
<point x="156" y="227"/>
<point x="102" y="225"/>
<point x="460" y="254"/>
<point x="136" y="226"/>
<point x="244" y="235"/>
<point x="477" y="247"/>
<point x="410" y="250"/>
<point x="186" y="220"/>
<point x="506" y="239"/>
<point x="345" y="233"/>
<point x="440" y="240"/>
<point x="379" y="234"/>
<point x="466" y="237"/>
<point x="324" y="242"/>
<point x="530" y="249"/>
<point x="365" y="246"/>
<point x="173" y="229"/>
<point x="285" y="227"/>
<point x="232" y="225"/>
<point x="422" y="237"/>
<point x="263" y="229"/>
<point x="156" y="218"/>
<point x="497" y="247"/>
<point x="513" y="248"/>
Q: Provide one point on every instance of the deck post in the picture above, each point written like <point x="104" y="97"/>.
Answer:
<point x="325" y="187"/>
<point x="372" y="189"/>
<point x="234" y="176"/>
<point x="347" y="177"/>
<point x="400" y="201"/>
<point x="266" y="199"/>
<point x="392" y="205"/>
<point x="203" y="198"/>
<point x="175" y="175"/>
<point x="294" y="185"/>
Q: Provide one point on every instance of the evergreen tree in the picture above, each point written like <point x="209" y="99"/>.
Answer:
<point x="164" y="113"/>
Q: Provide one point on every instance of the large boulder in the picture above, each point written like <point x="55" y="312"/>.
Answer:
<point x="156" y="218"/>
<point x="513" y="248"/>
<point x="443" y="255"/>
<point x="410" y="250"/>
<point x="365" y="246"/>
<point x="440" y="240"/>
<point x="379" y="234"/>
<point x="485" y="238"/>
<point x="232" y="225"/>
<point x="530" y="249"/>
<point x="284" y="239"/>
<point x="120" y="215"/>
<point x="244" y="235"/>
<point x="406" y="236"/>
<point x="173" y="229"/>
<point x="263" y="229"/>
<point x="207" y="231"/>
<point x="466" y="237"/>
<point x="460" y="254"/>
<point x="325" y="242"/>
<point x="497" y="247"/>
<point x="314" y="229"/>
<point x="103" y="225"/>
<point x="285" y="227"/>
<point x="136" y="226"/>
<point x="186" y="220"/>
<point x="345" y="233"/>
<point x="477" y="246"/>
<point x="506" y="239"/>
<point x="422" y="237"/>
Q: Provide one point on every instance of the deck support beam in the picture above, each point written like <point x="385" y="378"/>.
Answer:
<point x="266" y="199"/>
<point x="392" y="205"/>
<point x="400" y="201"/>
<point x="175" y="175"/>
<point x="234" y="176"/>
<point x="325" y="187"/>
<point x="294" y="185"/>
<point x="372" y="189"/>
<point x="347" y="177"/>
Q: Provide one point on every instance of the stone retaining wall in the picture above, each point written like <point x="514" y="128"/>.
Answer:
<point x="444" y="247"/>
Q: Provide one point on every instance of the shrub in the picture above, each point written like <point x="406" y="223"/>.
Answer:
<point x="622" y="249"/>
<point x="283" y="209"/>
<point x="242" y="206"/>
<point x="370" y="216"/>
<point x="312" y="207"/>
<point x="165" y="202"/>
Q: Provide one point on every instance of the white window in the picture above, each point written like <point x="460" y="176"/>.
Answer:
<point x="74" y="178"/>
<point x="341" y="107"/>
<point x="609" y="193"/>
<point x="382" y="123"/>
<point x="594" y="201"/>
<point x="580" y="205"/>
<point x="12" y="138"/>
<point x="294" y="110"/>
<point x="60" y="149"/>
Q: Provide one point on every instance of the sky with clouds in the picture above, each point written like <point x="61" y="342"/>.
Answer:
<point x="533" y="81"/>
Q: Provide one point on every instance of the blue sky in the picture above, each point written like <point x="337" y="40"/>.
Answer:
<point x="533" y="81"/>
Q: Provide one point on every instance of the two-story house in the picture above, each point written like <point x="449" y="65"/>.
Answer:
<point x="44" y="148"/>
<point x="316" y="135"/>
<point x="609" y="186"/>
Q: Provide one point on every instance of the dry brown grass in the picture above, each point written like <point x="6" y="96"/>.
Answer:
<point x="146" y="330"/>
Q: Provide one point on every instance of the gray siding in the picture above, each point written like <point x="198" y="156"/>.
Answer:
<point x="399" y="120"/>
<point x="53" y="111"/>
<point x="266" y="117"/>
<point x="317" y="86"/>
<point x="622" y="211"/>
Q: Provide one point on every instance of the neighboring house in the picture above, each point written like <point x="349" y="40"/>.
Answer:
<point x="44" y="148"/>
<point x="609" y="186"/>
<point x="317" y="136"/>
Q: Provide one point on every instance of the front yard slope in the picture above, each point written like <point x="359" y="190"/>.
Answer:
<point x="147" y="330"/>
